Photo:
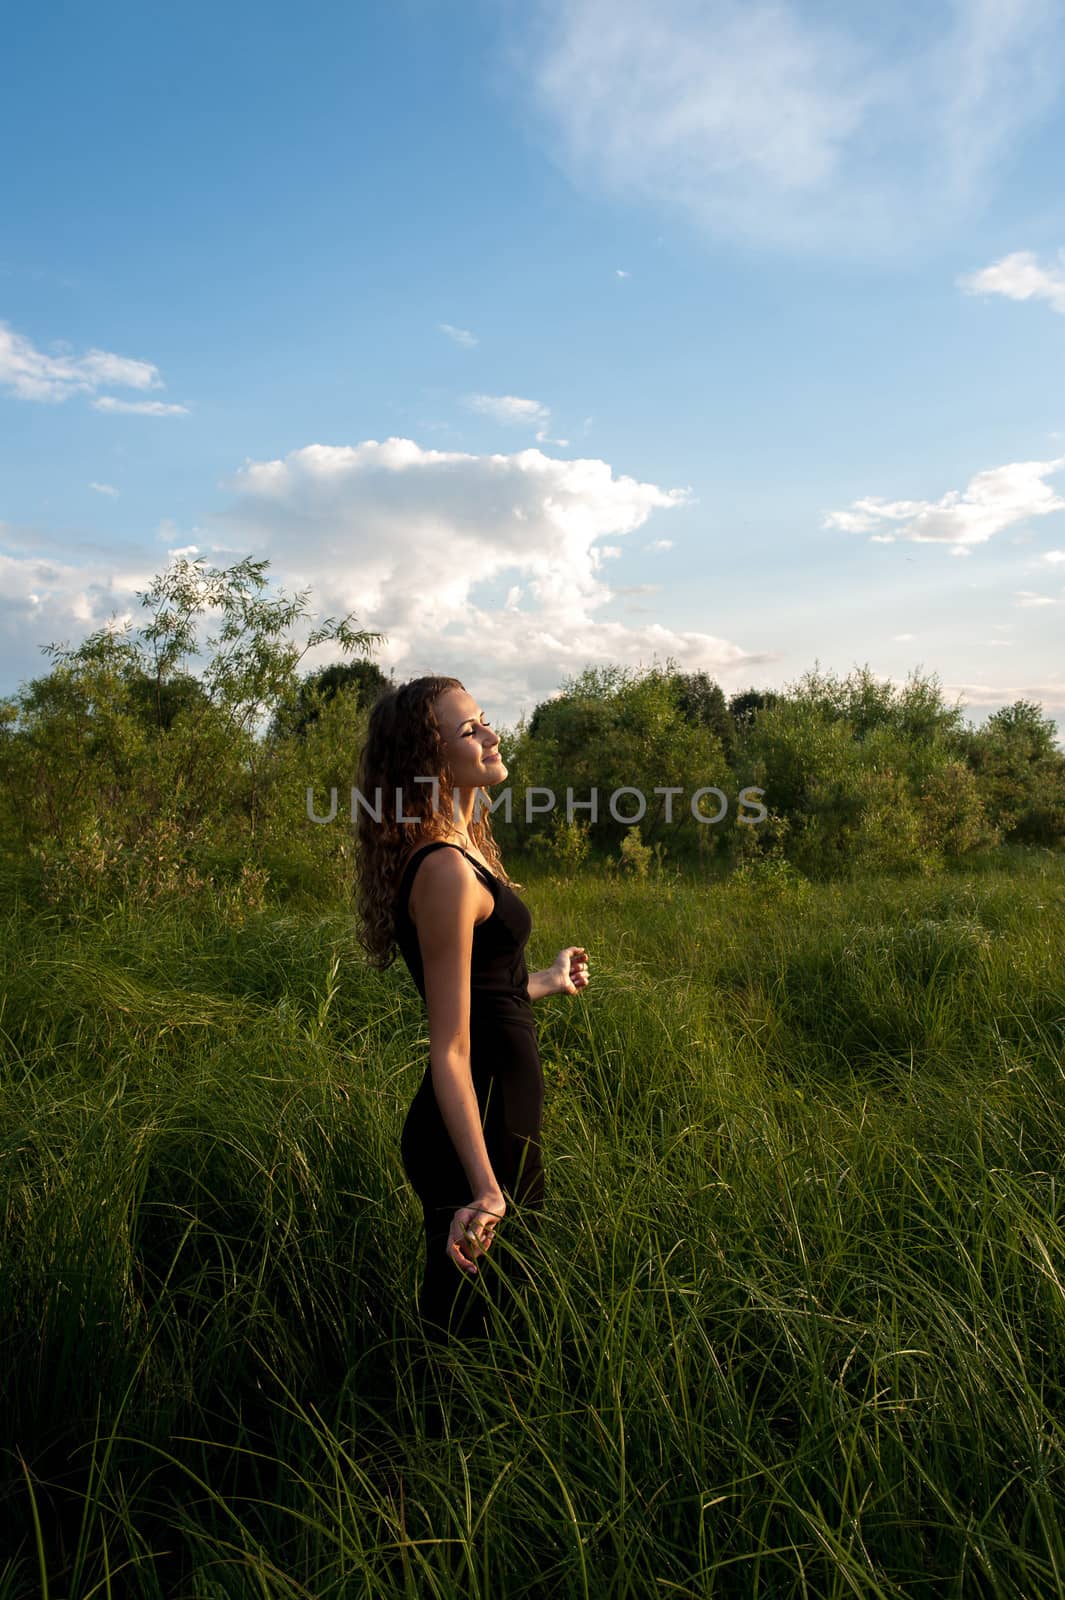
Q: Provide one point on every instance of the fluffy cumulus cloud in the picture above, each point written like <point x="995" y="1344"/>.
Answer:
<point x="33" y="374"/>
<point x="787" y="120"/>
<point x="490" y="567"/>
<point x="1020" y="277"/>
<point x="46" y="600"/>
<point x="994" y="500"/>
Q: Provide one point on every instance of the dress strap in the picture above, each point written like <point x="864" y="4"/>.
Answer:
<point x="479" y="866"/>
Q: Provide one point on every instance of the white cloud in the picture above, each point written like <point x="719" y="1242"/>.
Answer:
<point x="790" y="121"/>
<point x="420" y="544"/>
<point x="140" y="408"/>
<point x="902" y="637"/>
<point x="1020" y="277"/>
<point x="621" y="274"/>
<point x="410" y="538"/>
<point x="1028" y="597"/>
<point x="509" y="408"/>
<point x="993" y="500"/>
<point x="1049" y="693"/>
<point x="1054" y="555"/>
<point x="43" y="600"/>
<point x="659" y="544"/>
<point x="460" y="335"/>
<point x="130" y="582"/>
<point x="104" y="488"/>
<point x="32" y="374"/>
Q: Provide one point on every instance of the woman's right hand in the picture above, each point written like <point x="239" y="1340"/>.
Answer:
<point x="472" y="1229"/>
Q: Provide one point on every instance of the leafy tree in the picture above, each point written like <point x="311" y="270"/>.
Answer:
<point x="160" y="700"/>
<point x="121" y="768"/>
<point x="363" y="680"/>
<point x="701" y="700"/>
<point x="953" y="811"/>
<point x="1021" y="773"/>
<point x="858" y="771"/>
<point x="1022" y="726"/>
<point x="804" y="759"/>
<point x="916" y="711"/>
<point x="743" y="707"/>
<point x="617" y="727"/>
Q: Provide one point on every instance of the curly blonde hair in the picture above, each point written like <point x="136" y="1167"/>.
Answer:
<point x="403" y="742"/>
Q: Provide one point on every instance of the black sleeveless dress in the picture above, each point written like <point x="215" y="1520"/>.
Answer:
<point x="509" y="1084"/>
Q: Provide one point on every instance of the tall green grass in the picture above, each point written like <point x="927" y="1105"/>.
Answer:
<point x="796" y="1324"/>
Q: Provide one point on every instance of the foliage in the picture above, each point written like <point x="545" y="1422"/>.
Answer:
<point x="915" y="711"/>
<point x="635" y="857"/>
<point x="861" y="774"/>
<point x="619" y="728"/>
<point x="769" y="878"/>
<point x="857" y="773"/>
<point x="745" y="706"/>
<point x="701" y="700"/>
<point x="954" y="811"/>
<point x="362" y="679"/>
<point x="1021" y="774"/>
<point x="564" y="846"/>
<point x="123" y="774"/>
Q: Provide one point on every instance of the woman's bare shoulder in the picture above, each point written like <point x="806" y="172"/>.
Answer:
<point x="447" y="868"/>
<point x="442" y="877"/>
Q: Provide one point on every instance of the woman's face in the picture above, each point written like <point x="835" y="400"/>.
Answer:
<point x="469" y="746"/>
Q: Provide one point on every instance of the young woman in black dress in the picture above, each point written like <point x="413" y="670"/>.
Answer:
<point x="431" y="881"/>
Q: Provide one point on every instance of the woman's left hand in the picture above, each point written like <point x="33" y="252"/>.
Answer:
<point x="570" y="969"/>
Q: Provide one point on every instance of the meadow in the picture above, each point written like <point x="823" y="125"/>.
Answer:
<point x="797" y="1323"/>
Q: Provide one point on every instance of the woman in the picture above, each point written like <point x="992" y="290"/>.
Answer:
<point x="431" y="880"/>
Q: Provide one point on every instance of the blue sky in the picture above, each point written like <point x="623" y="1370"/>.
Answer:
<point x="548" y="334"/>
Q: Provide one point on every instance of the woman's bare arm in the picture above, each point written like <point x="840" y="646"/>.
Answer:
<point x="569" y="975"/>
<point x="444" y="901"/>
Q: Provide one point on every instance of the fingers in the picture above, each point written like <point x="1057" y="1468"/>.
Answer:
<point x="457" y="1249"/>
<point x="460" y="1252"/>
<point x="576" y="958"/>
<point x="470" y="1236"/>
